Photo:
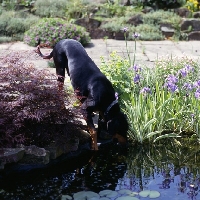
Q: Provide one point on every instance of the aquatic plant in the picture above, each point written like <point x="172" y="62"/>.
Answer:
<point x="160" y="102"/>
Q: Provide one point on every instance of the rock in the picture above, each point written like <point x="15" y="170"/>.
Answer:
<point x="190" y="25"/>
<point x="54" y="150"/>
<point x="135" y="20"/>
<point x="62" y="147"/>
<point x="119" y="35"/>
<point x="93" y="27"/>
<point x="11" y="155"/>
<point x="35" y="155"/>
<point x="183" y="12"/>
<point x="100" y="33"/>
<point x="88" y="23"/>
<point x="196" y="14"/>
<point x="195" y="35"/>
<point x="167" y="32"/>
<point x="147" y="10"/>
<point x="71" y="145"/>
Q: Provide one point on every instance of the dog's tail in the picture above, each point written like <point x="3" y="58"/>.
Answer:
<point x="40" y="53"/>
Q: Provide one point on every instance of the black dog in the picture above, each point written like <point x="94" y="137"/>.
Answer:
<point x="91" y="86"/>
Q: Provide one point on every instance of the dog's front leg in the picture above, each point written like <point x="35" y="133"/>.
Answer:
<point x="60" y="82"/>
<point x="92" y="130"/>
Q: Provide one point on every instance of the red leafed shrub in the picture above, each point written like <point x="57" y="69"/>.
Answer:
<point x="31" y="107"/>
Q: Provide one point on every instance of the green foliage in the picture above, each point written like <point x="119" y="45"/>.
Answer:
<point x="14" y="24"/>
<point x="161" y="17"/>
<point x="9" y="4"/>
<point x="27" y="3"/>
<point x="80" y="8"/>
<point x="160" y="102"/>
<point x="116" y="69"/>
<point x="50" y="8"/>
<point x="111" y="9"/>
<point x="69" y="9"/>
<point x="52" y="30"/>
<point x="5" y="39"/>
<point x="114" y="25"/>
<point x="147" y="32"/>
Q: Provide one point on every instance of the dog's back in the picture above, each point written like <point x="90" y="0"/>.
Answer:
<point x="70" y="55"/>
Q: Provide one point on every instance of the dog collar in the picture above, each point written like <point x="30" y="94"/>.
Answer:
<point x="110" y="106"/>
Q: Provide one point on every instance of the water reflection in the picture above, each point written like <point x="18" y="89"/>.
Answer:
<point x="171" y="169"/>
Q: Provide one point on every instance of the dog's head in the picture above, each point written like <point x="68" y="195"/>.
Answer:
<point x="118" y="127"/>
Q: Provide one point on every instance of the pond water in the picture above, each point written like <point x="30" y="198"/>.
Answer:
<point x="171" y="169"/>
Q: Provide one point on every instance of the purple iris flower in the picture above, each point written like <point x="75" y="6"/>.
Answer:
<point x="183" y="72"/>
<point x="145" y="90"/>
<point x="197" y="94"/>
<point x="136" y="68"/>
<point x="171" y="78"/>
<point x="136" y="35"/>
<point x="188" y="86"/>
<point x="171" y="86"/>
<point x="125" y="29"/>
<point x="137" y="78"/>
<point x="189" y="68"/>
<point x="197" y="84"/>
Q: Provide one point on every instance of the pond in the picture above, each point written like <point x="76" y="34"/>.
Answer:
<point x="171" y="169"/>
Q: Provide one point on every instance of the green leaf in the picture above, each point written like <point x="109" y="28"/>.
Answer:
<point x="149" y="123"/>
<point x="149" y="135"/>
<point x="167" y="136"/>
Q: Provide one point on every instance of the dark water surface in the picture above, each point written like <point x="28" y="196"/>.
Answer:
<point x="171" y="169"/>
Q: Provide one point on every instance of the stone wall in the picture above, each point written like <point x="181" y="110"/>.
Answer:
<point x="190" y="25"/>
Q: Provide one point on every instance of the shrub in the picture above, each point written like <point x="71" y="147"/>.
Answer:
<point x="147" y="32"/>
<point x="49" y="8"/>
<point x="160" y="16"/>
<point x="113" y="25"/>
<point x="80" y="8"/>
<point x="116" y="69"/>
<point x="52" y="30"/>
<point x="5" y="39"/>
<point x="112" y="8"/>
<point x="31" y="107"/>
<point x="14" y="24"/>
